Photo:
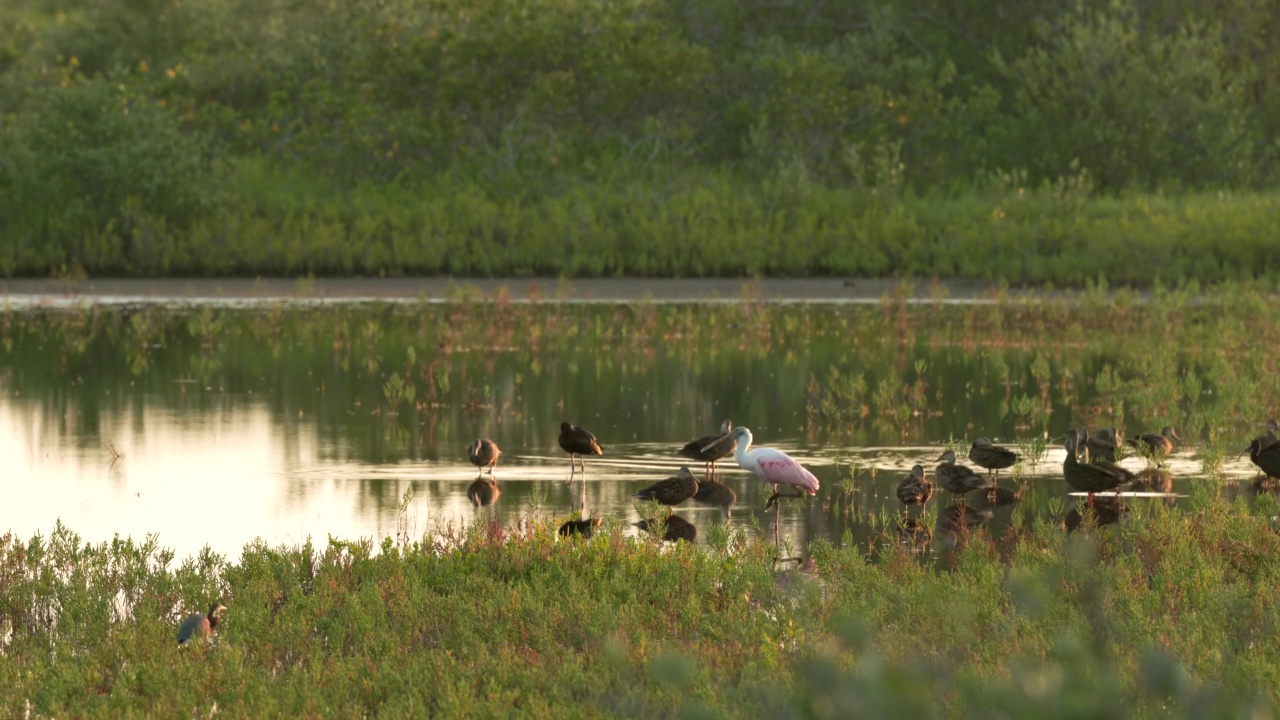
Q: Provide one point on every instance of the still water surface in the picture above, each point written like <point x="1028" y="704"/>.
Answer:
<point x="279" y="423"/>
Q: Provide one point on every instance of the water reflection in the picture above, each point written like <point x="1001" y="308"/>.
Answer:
<point x="1103" y="511"/>
<point x="285" y="423"/>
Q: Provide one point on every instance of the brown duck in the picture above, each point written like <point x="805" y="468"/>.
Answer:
<point x="1155" y="446"/>
<point x="915" y="489"/>
<point x="673" y="490"/>
<point x="710" y="448"/>
<point x="959" y="479"/>
<point x="991" y="457"/>
<point x="1091" y="477"/>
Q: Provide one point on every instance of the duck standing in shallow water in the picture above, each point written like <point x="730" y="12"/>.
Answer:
<point x="1153" y="446"/>
<point x="959" y="480"/>
<point x="1091" y="477"/>
<point x="710" y="448"/>
<point x="991" y="457"/>
<point x="915" y="489"/>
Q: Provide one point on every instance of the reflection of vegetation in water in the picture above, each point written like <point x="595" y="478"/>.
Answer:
<point x="869" y="375"/>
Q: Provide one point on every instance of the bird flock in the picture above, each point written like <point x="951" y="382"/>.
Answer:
<point x="774" y="467"/>
<point x="1090" y="466"/>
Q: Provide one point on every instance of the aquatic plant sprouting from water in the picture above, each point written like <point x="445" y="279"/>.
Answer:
<point x="398" y="392"/>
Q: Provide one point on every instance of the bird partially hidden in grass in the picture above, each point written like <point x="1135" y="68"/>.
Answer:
<point x="484" y="453"/>
<point x="200" y="626"/>
<point x="915" y="489"/>
<point x="710" y="448"/>
<point x="578" y="442"/>
<point x="673" y="490"/>
<point x="1155" y="446"/>
<point x="991" y="457"/>
<point x="959" y="480"/>
<point x="673" y="527"/>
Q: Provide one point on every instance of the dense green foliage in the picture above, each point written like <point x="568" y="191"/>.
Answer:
<point x="1042" y="142"/>
<point x="1171" y="614"/>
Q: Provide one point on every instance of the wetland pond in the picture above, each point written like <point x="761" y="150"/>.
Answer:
<point x="215" y="424"/>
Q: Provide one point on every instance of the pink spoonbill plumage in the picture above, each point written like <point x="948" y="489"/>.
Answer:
<point x="774" y="467"/>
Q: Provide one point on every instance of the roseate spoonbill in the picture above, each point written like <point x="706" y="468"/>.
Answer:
<point x="959" y="479"/>
<point x="483" y="453"/>
<point x="673" y="490"/>
<point x="578" y="442"/>
<point x="1091" y="477"/>
<point x="197" y="625"/>
<point x="710" y="448"/>
<point x="585" y="528"/>
<point x="915" y="489"/>
<point x="483" y="492"/>
<point x="1155" y="446"/>
<point x="674" y="528"/>
<point x="714" y="492"/>
<point x="774" y="467"/>
<point x="992" y="457"/>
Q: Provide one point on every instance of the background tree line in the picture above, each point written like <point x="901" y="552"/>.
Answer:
<point x="148" y="136"/>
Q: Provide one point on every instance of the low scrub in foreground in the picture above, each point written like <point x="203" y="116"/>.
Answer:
<point x="1169" y="613"/>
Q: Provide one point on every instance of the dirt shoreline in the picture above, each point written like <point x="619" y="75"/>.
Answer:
<point x="52" y="291"/>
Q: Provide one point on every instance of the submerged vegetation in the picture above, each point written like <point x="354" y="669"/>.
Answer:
<point x="1051" y="143"/>
<point x="1168" y="614"/>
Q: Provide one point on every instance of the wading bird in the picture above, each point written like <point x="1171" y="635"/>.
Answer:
<point x="1091" y="477"/>
<point x="1155" y="446"/>
<point x="578" y="442"/>
<point x="483" y="492"/>
<point x="674" y="528"/>
<point x="673" y="490"/>
<point x="1265" y="455"/>
<point x="197" y="625"/>
<point x="484" y="453"/>
<point x="959" y="480"/>
<point x="710" y="448"/>
<point x="991" y="457"/>
<point x="915" y="489"/>
<point x="775" y="468"/>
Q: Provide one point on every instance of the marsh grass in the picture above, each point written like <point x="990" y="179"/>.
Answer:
<point x="1168" y="613"/>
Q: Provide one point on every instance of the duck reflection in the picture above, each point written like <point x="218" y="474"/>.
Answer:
<point x="585" y="528"/>
<point x="1104" y="511"/>
<point x="673" y="528"/>
<point x="914" y="535"/>
<point x="483" y="492"/>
